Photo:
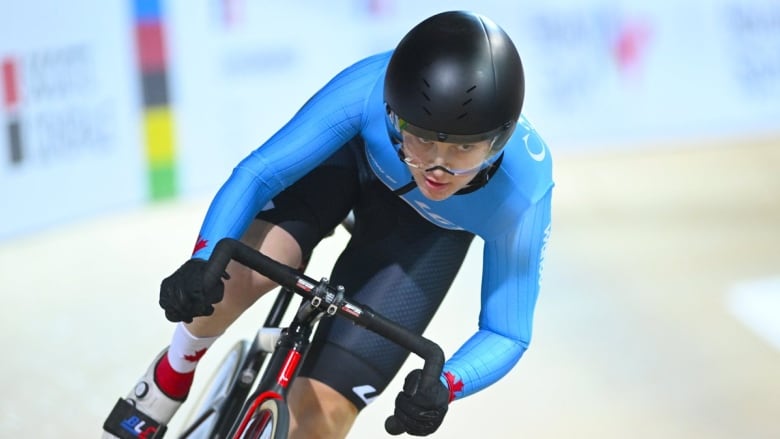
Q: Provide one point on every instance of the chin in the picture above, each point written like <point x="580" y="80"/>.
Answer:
<point x="437" y="196"/>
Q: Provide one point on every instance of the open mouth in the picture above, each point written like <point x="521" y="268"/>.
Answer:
<point x="435" y="184"/>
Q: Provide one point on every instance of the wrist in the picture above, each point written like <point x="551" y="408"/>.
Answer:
<point x="453" y="384"/>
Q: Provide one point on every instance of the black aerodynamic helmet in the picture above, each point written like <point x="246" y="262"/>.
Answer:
<point x="456" y="77"/>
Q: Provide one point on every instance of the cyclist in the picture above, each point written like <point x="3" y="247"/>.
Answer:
<point x="427" y="146"/>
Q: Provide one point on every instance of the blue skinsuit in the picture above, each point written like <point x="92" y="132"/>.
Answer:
<point x="511" y="213"/>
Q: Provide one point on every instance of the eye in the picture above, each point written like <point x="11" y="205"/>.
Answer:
<point x="424" y="141"/>
<point x="466" y="147"/>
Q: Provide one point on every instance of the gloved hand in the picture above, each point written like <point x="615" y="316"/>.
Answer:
<point x="421" y="410"/>
<point x="183" y="295"/>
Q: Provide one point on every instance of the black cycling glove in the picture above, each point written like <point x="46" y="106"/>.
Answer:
<point x="421" y="410"/>
<point x="183" y="295"/>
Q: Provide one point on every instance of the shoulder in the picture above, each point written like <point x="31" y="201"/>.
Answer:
<point x="528" y="161"/>
<point x="345" y="96"/>
<point x="365" y="69"/>
<point x="352" y="87"/>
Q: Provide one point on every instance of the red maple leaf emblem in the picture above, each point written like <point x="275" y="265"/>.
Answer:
<point x="631" y="45"/>
<point x="200" y="244"/>
<point x="196" y="357"/>
<point x="454" y="386"/>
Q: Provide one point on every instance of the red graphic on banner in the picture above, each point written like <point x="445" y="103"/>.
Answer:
<point x="631" y="45"/>
<point x="10" y="84"/>
<point x="151" y="46"/>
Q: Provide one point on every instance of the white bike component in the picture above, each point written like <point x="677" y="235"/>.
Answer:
<point x="267" y="338"/>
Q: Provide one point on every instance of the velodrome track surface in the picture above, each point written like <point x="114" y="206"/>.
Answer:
<point x="659" y="272"/>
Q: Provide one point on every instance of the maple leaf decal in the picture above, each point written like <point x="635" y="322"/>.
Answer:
<point x="200" y="244"/>
<point x="454" y="386"/>
<point x="196" y="357"/>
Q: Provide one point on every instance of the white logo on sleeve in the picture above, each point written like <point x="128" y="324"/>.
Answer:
<point x="538" y="151"/>
<point x="366" y="392"/>
<point x="543" y="251"/>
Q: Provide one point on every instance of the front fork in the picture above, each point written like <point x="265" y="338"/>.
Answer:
<point x="283" y="367"/>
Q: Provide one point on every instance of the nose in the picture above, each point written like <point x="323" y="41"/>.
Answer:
<point x="437" y="165"/>
<point x="440" y="154"/>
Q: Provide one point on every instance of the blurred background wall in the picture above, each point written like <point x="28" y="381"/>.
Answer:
<point x="110" y="105"/>
<point x="658" y="316"/>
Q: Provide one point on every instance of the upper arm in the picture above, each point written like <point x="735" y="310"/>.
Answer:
<point x="512" y="268"/>
<point x="328" y="120"/>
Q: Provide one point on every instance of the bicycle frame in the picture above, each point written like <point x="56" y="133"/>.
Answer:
<point x="228" y="408"/>
<point x="285" y="361"/>
<point x="319" y="299"/>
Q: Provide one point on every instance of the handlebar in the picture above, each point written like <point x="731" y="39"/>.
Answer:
<point x="292" y="279"/>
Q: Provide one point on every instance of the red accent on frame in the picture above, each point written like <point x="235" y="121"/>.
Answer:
<point x="151" y="46"/>
<point x="10" y="83"/>
<point x="255" y="404"/>
<point x="288" y="368"/>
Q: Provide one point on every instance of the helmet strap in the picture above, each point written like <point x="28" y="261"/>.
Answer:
<point x="405" y="188"/>
<point x="482" y="177"/>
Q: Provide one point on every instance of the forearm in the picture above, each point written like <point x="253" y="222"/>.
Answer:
<point x="484" y="359"/>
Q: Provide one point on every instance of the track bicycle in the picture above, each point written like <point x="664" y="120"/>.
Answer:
<point x="227" y="409"/>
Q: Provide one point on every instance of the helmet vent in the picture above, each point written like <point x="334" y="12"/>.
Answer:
<point x="428" y="87"/>
<point x="425" y="95"/>
<point x="466" y="102"/>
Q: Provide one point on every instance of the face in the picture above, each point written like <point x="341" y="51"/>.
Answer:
<point x="441" y="169"/>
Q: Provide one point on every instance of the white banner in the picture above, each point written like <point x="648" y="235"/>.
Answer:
<point x="599" y="74"/>
<point x="69" y="116"/>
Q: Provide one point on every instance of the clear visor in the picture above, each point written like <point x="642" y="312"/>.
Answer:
<point x="453" y="158"/>
<point x="455" y="154"/>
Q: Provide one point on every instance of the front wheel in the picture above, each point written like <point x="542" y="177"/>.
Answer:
<point x="204" y="418"/>
<point x="270" y="420"/>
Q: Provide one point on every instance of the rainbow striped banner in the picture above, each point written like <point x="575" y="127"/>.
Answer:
<point x="158" y="121"/>
<point x="10" y="103"/>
